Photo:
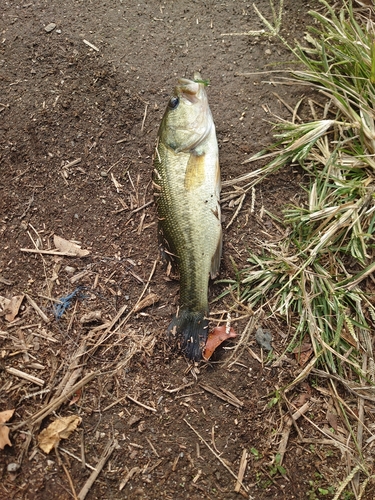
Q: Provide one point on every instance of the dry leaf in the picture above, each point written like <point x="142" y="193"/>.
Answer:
<point x="215" y="338"/>
<point x="11" y="306"/>
<point x="332" y="420"/>
<point x="76" y="397"/>
<point x="150" y="300"/>
<point x="4" y="303"/>
<point x="59" y="429"/>
<point x="68" y="247"/>
<point x="4" y="430"/>
<point x="303" y="353"/>
<point x="91" y="316"/>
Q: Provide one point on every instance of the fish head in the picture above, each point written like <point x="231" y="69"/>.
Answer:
<point x="187" y="121"/>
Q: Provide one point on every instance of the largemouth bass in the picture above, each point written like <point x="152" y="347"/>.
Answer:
<point x="187" y="190"/>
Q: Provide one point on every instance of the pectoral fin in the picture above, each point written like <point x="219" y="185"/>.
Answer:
<point x="194" y="176"/>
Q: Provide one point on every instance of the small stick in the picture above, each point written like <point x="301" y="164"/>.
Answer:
<point x="241" y="471"/>
<point x="47" y="252"/>
<point x="242" y="198"/>
<point x="91" y="480"/>
<point x="140" y="404"/>
<point x="67" y="474"/>
<point x="26" y="376"/>
<point x="198" y="475"/>
<point x="177" y="389"/>
<point x="83" y="455"/>
<point x="216" y="455"/>
<point x="114" y="403"/>
<point x="72" y="163"/>
<point x="35" y="306"/>
<point x="77" y="458"/>
<point x="55" y="403"/>
<point x="231" y="399"/>
<point x="144" y="118"/>
<point x="91" y="45"/>
<point x="125" y="320"/>
<point x="152" y="447"/>
<point x="142" y="207"/>
<point x="129" y="475"/>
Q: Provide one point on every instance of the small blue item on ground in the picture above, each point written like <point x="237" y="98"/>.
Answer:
<point x="65" y="302"/>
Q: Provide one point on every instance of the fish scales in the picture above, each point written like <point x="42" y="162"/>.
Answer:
<point x="187" y="190"/>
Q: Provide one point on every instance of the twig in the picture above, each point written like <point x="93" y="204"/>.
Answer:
<point x="177" y="389"/>
<point x="83" y="455"/>
<point x="67" y="474"/>
<point x="55" y="403"/>
<point x="142" y="207"/>
<point x="140" y="404"/>
<point x="242" y="198"/>
<point x="216" y="455"/>
<point x="26" y="376"/>
<point x="241" y="471"/>
<point x="129" y="475"/>
<point x="72" y="163"/>
<point x="91" y="45"/>
<point x="106" y="454"/>
<point x="144" y="118"/>
<point x="114" y="403"/>
<point x="37" y="308"/>
<point x="152" y="447"/>
<point x="289" y="421"/>
<point x="77" y="458"/>
<point x="229" y="398"/>
<point x="125" y="320"/>
<point x="48" y="252"/>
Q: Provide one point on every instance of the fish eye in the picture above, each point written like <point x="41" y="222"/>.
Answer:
<point x="173" y="103"/>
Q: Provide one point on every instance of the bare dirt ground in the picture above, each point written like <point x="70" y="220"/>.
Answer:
<point x="77" y="131"/>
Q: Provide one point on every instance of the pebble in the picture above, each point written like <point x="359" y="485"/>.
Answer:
<point x="13" y="467"/>
<point x="50" y="27"/>
<point x="70" y="269"/>
<point x="264" y="339"/>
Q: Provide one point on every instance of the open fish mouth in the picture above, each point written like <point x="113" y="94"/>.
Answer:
<point x="189" y="89"/>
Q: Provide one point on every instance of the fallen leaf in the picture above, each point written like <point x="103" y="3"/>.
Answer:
<point x="215" y="338"/>
<point x="301" y="399"/>
<point x="4" y="430"/>
<point x="150" y="300"/>
<point x="11" y="306"/>
<point x="4" y="302"/>
<point x="61" y="428"/>
<point x="68" y="247"/>
<point x="76" y="397"/>
<point x="303" y="353"/>
<point x="14" y="307"/>
<point x="332" y="420"/>
<point x="91" y="316"/>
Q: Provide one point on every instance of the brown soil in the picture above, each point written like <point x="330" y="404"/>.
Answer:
<point x="62" y="101"/>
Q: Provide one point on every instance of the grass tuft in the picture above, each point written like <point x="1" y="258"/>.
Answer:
<point x="315" y="278"/>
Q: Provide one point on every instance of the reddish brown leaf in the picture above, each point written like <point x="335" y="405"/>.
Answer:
<point x="215" y="338"/>
<point x="76" y="397"/>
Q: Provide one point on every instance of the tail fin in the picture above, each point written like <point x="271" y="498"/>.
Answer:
<point x="193" y="327"/>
